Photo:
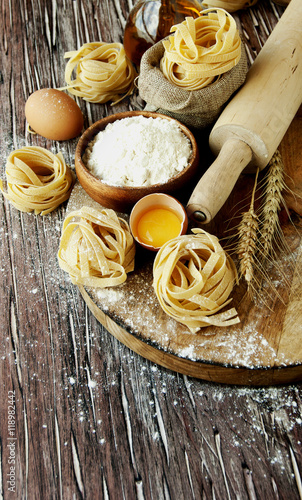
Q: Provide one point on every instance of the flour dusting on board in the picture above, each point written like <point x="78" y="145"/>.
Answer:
<point x="109" y="295"/>
<point x="253" y="343"/>
<point x="135" y="305"/>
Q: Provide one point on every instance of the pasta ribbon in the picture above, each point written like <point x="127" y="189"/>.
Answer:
<point x="96" y="248"/>
<point x="102" y="72"/>
<point x="229" y="5"/>
<point x="201" y="49"/>
<point x="37" y="180"/>
<point x="193" y="277"/>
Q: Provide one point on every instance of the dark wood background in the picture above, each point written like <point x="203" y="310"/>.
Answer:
<point x="88" y="417"/>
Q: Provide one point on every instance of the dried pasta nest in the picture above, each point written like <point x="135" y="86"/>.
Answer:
<point x="103" y="72"/>
<point x="192" y="74"/>
<point x="96" y="248"/>
<point x="201" y="49"/>
<point x="193" y="277"/>
<point x="37" y="180"/>
<point x="229" y="5"/>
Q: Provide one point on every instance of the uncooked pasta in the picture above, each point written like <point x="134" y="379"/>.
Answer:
<point x="96" y="248"/>
<point x="201" y="49"/>
<point x="229" y="5"/>
<point x="193" y="277"/>
<point x="102" y="72"/>
<point x="37" y="180"/>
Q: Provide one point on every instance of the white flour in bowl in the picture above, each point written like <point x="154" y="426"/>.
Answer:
<point x="138" y="151"/>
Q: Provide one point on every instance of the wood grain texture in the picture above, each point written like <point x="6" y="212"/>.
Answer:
<point x="91" y="419"/>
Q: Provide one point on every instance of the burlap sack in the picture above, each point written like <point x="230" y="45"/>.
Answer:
<point x="195" y="109"/>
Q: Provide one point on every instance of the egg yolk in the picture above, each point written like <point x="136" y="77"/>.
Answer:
<point x="157" y="226"/>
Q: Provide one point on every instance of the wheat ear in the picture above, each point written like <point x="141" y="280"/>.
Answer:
<point x="247" y="241"/>
<point x="273" y="199"/>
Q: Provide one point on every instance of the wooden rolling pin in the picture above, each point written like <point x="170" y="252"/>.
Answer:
<point x="251" y="127"/>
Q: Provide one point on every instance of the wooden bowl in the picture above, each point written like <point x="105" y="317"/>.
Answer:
<point x="119" y="198"/>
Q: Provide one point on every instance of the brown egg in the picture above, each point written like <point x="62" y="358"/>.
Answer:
<point x="54" y="115"/>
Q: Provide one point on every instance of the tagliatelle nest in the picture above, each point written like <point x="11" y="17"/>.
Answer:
<point x="102" y="72"/>
<point x="96" y="248"/>
<point x="201" y="49"/>
<point x="229" y="5"/>
<point x="193" y="278"/>
<point x="37" y="180"/>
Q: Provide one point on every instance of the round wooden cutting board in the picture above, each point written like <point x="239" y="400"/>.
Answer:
<point x="265" y="348"/>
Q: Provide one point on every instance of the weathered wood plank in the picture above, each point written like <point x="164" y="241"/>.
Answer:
<point x="92" y="419"/>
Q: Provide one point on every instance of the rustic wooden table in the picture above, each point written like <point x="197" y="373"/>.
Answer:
<point x="82" y="416"/>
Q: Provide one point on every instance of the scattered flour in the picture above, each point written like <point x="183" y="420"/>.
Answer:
<point x="138" y="151"/>
<point x="110" y="295"/>
<point x="92" y="384"/>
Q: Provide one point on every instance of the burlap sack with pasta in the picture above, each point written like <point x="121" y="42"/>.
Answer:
<point x="196" y="109"/>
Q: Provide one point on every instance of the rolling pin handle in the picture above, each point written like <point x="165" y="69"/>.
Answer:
<point x="216" y="184"/>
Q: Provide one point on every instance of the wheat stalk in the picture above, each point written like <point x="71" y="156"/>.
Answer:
<point x="247" y="241"/>
<point x="259" y="235"/>
<point x="273" y="200"/>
